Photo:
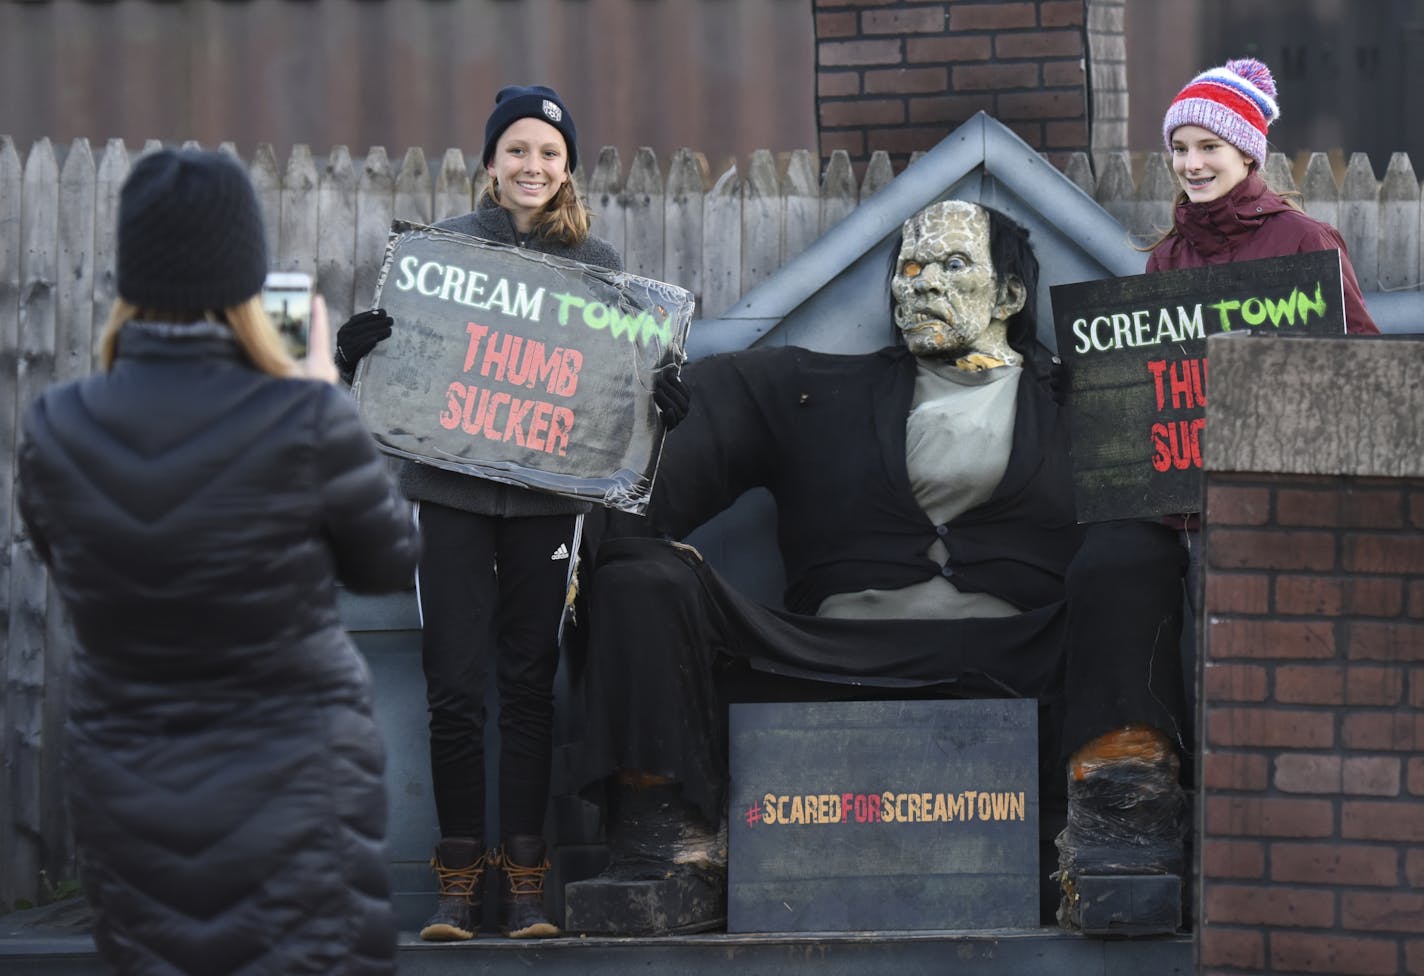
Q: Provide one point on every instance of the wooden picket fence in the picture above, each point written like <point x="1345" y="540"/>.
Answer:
<point x="717" y="234"/>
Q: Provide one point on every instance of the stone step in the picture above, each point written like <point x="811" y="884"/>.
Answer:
<point x="1019" y="952"/>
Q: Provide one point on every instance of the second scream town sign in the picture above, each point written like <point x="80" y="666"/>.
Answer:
<point x="1136" y="354"/>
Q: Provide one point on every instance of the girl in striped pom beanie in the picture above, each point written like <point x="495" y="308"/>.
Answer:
<point x="1215" y="130"/>
<point x="1233" y="104"/>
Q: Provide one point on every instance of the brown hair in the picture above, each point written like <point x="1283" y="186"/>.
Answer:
<point x="564" y="219"/>
<point x="248" y="321"/>
<point x="1291" y="197"/>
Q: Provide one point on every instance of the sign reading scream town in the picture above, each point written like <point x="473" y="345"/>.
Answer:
<point x="1136" y="354"/>
<point x="521" y="367"/>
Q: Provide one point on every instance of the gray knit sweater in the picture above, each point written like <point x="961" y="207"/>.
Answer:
<point x="423" y="482"/>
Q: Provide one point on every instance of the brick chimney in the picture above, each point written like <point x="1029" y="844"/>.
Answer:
<point x="1312" y="817"/>
<point x="898" y="76"/>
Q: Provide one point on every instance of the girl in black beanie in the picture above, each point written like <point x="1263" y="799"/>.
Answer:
<point x="498" y="560"/>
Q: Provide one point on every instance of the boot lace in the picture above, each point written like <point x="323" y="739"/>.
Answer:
<point x="524" y="880"/>
<point x="459" y="881"/>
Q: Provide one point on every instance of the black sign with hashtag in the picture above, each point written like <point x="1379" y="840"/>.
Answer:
<point x="848" y="816"/>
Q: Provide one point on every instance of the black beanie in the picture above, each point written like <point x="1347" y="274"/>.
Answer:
<point x="190" y="233"/>
<point x="516" y="102"/>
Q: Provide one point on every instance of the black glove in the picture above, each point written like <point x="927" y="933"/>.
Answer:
<point x="671" y="395"/>
<point x="359" y="336"/>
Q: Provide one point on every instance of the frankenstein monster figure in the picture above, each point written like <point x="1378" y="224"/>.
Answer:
<point x="924" y="488"/>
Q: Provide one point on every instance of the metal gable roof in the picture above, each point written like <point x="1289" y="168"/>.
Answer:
<point x="834" y="296"/>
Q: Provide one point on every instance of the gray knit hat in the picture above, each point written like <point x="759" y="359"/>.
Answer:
<point x="190" y="233"/>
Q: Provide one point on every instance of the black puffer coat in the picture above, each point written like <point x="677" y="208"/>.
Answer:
<point x="224" y="769"/>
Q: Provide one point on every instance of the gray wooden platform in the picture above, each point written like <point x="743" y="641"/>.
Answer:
<point x="1031" y="952"/>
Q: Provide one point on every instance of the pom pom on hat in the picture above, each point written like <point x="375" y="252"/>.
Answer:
<point x="190" y="233"/>
<point x="515" y="102"/>
<point x="1236" y="101"/>
<point x="1256" y="73"/>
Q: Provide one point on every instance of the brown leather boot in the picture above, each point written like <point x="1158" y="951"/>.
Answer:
<point x="459" y="864"/>
<point x="524" y="867"/>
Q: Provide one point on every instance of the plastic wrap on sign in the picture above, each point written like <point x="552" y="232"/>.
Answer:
<point x="521" y="367"/>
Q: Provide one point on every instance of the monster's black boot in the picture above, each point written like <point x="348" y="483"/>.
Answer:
<point x="668" y="872"/>
<point x="1120" y="860"/>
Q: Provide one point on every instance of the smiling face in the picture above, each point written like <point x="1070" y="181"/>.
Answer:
<point x="948" y="299"/>
<point x="529" y="165"/>
<point x="1207" y="166"/>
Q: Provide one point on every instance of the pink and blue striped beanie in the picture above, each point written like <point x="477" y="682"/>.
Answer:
<point x="1236" y="101"/>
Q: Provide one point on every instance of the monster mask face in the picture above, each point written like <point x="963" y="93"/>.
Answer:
<point x="948" y="299"/>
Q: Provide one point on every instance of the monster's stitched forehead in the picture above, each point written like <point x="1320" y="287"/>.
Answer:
<point x="947" y="227"/>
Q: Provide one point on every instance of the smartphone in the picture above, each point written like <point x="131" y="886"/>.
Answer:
<point x="286" y="295"/>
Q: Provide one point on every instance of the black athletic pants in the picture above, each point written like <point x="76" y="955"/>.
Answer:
<point x="492" y="593"/>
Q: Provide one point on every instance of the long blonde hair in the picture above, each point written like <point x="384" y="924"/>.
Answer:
<point x="248" y="321"/>
<point x="564" y="219"/>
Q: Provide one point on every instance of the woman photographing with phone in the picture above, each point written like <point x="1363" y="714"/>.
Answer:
<point x="197" y="501"/>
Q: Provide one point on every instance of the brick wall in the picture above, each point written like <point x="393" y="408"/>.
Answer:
<point x="1312" y="814"/>
<point x="898" y="75"/>
<point x="1107" y="76"/>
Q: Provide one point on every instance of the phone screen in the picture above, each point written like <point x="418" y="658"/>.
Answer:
<point x="286" y="296"/>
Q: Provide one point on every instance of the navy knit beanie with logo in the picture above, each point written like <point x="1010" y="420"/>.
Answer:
<point x="515" y="102"/>
<point x="190" y="233"/>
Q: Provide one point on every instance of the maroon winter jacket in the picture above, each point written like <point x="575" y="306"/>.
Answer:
<point x="1253" y="222"/>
